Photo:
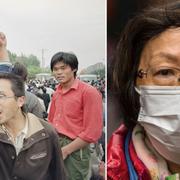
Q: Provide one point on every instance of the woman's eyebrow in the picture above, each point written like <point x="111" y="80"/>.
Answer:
<point x="166" y="56"/>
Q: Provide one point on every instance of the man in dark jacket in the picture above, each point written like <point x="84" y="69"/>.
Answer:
<point x="29" y="146"/>
<point x="32" y="103"/>
<point x="46" y="98"/>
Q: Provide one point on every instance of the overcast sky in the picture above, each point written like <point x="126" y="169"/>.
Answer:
<point x="55" y="25"/>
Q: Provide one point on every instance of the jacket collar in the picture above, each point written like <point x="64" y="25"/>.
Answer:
<point x="34" y="125"/>
<point x="116" y="161"/>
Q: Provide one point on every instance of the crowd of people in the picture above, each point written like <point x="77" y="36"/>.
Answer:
<point x="99" y="84"/>
<point x="58" y="148"/>
<point x="36" y="86"/>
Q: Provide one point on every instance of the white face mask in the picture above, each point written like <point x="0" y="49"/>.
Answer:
<point x="160" y="116"/>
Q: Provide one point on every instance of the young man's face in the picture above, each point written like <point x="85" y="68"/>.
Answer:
<point x="63" y="73"/>
<point x="9" y="105"/>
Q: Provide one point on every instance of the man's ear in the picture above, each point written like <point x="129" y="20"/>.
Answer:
<point x="21" y="101"/>
<point x="74" y="70"/>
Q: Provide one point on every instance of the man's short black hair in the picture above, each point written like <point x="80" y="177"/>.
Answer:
<point x="20" y="70"/>
<point x="67" y="58"/>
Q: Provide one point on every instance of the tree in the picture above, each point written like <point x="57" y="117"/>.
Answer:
<point x="12" y="56"/>
<point x="33" y="61"/>
<point x="32" y="71"/>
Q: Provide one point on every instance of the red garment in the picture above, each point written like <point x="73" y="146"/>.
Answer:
<point x="77" y="112"/>
<point x="117" y="168"/>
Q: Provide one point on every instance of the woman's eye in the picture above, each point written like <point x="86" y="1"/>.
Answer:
<point x="165" y="72"/>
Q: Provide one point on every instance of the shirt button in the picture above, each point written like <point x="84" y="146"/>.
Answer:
<point x="15" y="177"/>
<point x="12" y="157"/>
<point x="43" y="134"/>
<point x="32" y="139"/>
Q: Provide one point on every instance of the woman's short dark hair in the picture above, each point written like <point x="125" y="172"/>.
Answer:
<point x="67" y="58"/>
<point x="143" y="27"/>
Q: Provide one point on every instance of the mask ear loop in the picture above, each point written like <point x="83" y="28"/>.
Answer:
<point x="137" y="90"/>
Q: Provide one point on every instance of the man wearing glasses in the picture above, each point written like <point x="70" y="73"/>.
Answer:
<point x="29" y="146"/>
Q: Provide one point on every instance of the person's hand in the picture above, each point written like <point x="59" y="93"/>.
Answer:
<point x="65" y="152"/>
<point x="3" y="41"/>
<point x="102" y="169"/>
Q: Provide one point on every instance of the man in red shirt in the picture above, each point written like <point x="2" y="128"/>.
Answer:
<point x="76" y="113"/>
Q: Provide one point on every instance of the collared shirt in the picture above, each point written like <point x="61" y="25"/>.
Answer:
<point x="77" y="112"/>
<point x="19" y="139"/>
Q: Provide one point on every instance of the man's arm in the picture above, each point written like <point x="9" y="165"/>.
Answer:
<point x="3" y="51"/>
<point x="78" y="143"/>
<point x="92" y="115"/>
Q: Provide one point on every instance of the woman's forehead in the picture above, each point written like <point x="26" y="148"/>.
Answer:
<point x="164" y="47"/>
